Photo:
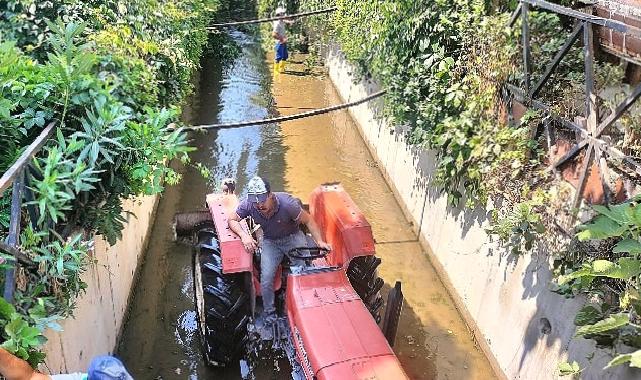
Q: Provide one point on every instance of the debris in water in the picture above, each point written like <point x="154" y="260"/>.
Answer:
<point x="410" y="339"/>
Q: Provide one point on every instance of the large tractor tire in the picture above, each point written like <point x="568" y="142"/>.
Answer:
<point x="222" y="304"/>
<point x="364" y="278"/>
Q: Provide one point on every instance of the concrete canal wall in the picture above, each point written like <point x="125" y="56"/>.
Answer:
<point x="524" y="329"/>
<point x="98" y="318"/>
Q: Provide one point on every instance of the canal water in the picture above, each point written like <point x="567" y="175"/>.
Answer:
<point x="159" y="340"/>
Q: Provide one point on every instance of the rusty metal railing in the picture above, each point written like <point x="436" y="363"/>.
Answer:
<point x="589" y="137"/>
<point x="18" y="177"/>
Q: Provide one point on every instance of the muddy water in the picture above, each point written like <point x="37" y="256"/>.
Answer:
<point x="432" y="341"/>
<point x="159" y="338"/>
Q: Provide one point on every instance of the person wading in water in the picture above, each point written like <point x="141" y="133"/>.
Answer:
<point x="280" y="35"/>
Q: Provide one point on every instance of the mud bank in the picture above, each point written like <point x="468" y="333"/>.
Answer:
<point x="525" y="329"/>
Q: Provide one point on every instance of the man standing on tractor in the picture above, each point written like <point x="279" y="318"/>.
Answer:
<point x="281" y="53"/>
<point x="279" y="215"/>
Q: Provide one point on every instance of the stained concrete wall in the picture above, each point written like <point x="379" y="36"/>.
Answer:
<point x="99" y="314"/>
<point x="524" y="329"/>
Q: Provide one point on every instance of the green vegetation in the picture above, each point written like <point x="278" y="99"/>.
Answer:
<point x="112" y="76"/>
<point x="607" y="270"/>
<point x="444" y="64"/>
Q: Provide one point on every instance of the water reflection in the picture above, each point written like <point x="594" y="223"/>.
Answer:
<point x="160" y="340"/>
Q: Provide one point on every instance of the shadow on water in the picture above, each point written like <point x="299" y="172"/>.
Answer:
<point x="159" y="340"/>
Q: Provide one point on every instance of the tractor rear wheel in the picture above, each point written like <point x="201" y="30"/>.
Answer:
<point x="222" y="305"/>
<point x="364" y="278"/>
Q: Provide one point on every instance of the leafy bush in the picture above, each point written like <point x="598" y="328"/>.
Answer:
<point x="112" y="75"/>
<point x="609" y="274"/>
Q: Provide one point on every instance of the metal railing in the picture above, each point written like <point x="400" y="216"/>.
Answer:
<point x="18" y="176"/>
<point x="589" y="137"/>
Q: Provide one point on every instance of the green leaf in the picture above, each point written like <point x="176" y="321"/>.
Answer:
<point x="627" y="246"/>
<point x="22" y="353"/>
<point x="616" y="213"/>
<point x="587" y="316"/>
<point x="10" y="345"/>
<point x="612" y="322"/>
<point x="5" y="108"/>
<point x="630" y="298"/>
<point x="602" y="228"/>
<point x="586" y="271"/>
<point x="566" y="369"/>
<point x="634" y="359"/>
<point x="14" y="328"/>
<point x="624" y="269"/>
<point x="6" y="309"/>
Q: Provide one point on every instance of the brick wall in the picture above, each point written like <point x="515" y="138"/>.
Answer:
<point x="629" y="12"/>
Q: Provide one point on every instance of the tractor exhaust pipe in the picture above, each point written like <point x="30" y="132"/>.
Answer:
<point x="185" y="223"/>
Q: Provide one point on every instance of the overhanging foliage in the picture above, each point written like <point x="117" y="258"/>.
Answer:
<point x="112" y="74"/>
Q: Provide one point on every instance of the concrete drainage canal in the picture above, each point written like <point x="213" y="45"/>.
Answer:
<point x="160" y="339"/>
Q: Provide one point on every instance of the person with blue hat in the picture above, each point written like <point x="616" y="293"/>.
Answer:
<point x="279" y="215"/>
<point x="101" y="368"/>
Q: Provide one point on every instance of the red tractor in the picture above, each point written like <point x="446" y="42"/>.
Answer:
<point x="330" y="307"/>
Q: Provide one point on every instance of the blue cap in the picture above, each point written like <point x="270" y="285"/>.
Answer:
<point x="107" y="368"/>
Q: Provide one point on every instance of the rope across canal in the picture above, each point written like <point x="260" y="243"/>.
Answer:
<point x="280" y="119"/>
<point x="320" y="111"/>
<point x="298" y="15"/>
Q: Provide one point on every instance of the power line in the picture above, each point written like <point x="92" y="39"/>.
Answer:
<point x="280" y="119"/>
<point x="304" y="14"/>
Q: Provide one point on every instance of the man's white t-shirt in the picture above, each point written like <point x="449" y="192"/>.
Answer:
<point x="279" y="27"/>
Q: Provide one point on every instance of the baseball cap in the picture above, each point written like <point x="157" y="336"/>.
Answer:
<point x="258" y="190"/>
<point x="280" y="11"/>
<point x="107" y="368"/>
